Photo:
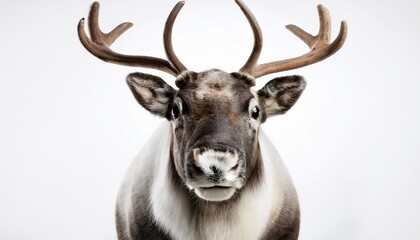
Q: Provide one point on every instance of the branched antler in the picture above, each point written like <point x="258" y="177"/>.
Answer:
<point x="320" y="45"/>
<point x="99" y="44"/>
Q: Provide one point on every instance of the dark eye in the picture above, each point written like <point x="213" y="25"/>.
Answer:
<point x="175" y="111"/>
<point x="255" y="113"/>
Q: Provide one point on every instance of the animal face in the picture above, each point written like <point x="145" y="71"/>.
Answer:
<point x="215" y="120"/>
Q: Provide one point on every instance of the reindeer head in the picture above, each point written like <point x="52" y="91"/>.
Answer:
<point x="215" y="115"/>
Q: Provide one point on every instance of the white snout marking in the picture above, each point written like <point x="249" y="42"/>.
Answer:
<point x="224" y="161"/>
<point x="227" y="165"/>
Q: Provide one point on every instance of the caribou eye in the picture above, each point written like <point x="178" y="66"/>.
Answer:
<point x="175" y="111"/>
<point x="255" y="113"/>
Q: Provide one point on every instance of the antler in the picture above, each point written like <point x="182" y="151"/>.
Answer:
<point x="320" y="45"/>
<point x="258" y="38"/>
<point x="99" y="44"/>
<point x="167" y="38"/>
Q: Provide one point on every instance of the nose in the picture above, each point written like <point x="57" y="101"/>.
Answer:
<point x="216" y="174"/>
<point x="216" y="162"/>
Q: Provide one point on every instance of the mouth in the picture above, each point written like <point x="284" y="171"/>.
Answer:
<point x="215" y="193"/>
<point x="216" y="187"/>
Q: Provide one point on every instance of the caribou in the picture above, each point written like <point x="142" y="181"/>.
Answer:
<point x="209" y="171"/>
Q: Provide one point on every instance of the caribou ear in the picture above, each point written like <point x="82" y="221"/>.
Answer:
<point x="152" y="93"/>
<point x="280" y="94"/>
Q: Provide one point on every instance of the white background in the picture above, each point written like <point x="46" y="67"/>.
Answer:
<point x="69" y="126"/>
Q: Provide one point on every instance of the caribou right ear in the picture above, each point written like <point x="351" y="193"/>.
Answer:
<point x="154" y="94"/>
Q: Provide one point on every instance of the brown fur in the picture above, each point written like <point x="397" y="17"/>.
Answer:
<point x="214" y="113"/>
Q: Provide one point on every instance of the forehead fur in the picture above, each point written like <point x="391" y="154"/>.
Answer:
<point x="215" y="88"/>
<point x="214" y="82"/>
<point x="213" y="77"/>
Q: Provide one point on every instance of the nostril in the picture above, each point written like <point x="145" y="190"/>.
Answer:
<point x="217" y="174"/>
<point x="215" y="170"/>
<point x="193" y="170"/>
<point x="235" y="167"/>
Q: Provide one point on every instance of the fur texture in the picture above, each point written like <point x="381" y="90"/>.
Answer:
<point x="210" y="173"/>
<point x="153" y="206"/>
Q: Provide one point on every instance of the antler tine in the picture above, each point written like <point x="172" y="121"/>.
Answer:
<point x="320" y="46"/>
<point x="258" y="38"/>
<point x="100" y="42"/>
<point x="167" y="38"/>
<point x="97" y="35"/>
<point x="324" y="33"/>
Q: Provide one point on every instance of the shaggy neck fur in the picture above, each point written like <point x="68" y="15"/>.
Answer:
<point x="186" y="217"/>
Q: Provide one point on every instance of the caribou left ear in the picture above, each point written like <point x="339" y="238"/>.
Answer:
<point x="154" y="94"/>
<point x="280" y="94"/>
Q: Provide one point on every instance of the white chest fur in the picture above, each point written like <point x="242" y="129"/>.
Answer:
<point x="246" y="220"/>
